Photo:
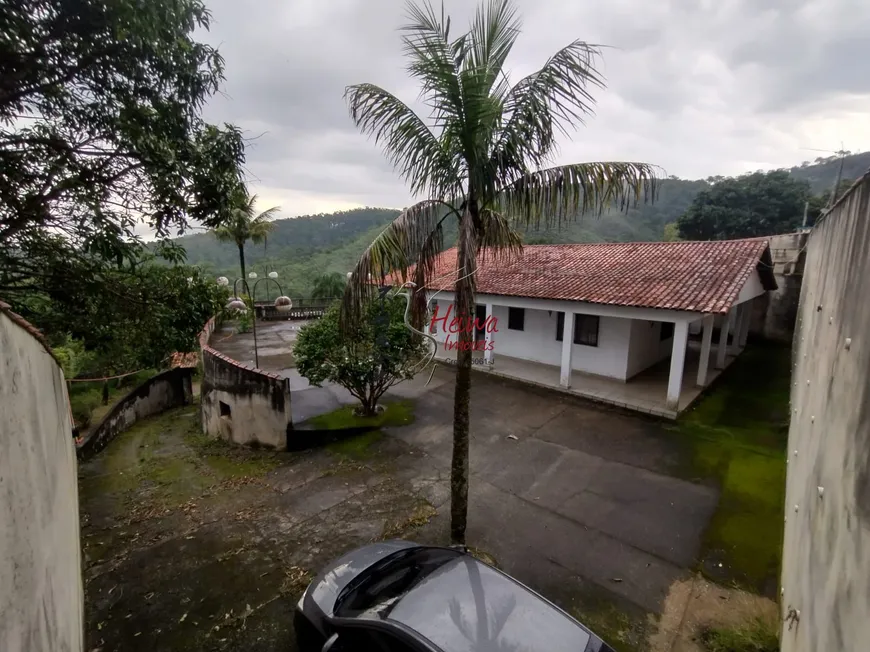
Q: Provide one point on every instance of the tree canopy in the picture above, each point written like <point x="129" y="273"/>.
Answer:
<point x="100" y="133"/>
<point x="757" y="204"/>
<point x="100" y="129"/>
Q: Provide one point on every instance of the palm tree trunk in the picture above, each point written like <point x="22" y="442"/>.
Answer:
<point x="466" y="262"/>
<point x="242" y="262"/>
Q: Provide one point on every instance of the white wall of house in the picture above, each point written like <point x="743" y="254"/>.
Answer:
<point x="646" y="346"/>
<point x="537" y="341"/>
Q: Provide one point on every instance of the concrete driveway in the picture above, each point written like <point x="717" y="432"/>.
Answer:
<point x="561" y="488"/>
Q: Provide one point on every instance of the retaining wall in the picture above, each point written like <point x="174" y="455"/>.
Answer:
<point x="41" y="594"/>
<point x="774" y="313"/>
<point x="162" y="392"/>
<point x="826" y="555"/>
<point x="240" y="403"/>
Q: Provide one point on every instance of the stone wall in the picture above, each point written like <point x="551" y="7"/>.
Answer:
<point x="162" y="392"/>
<point x="774" y="313"/>
<point x="826" y="556"/>
<point x="240" y="403"/>
<point x="41" y="599"/>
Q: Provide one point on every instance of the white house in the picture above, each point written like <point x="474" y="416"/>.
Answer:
<point x="597" y="319"/>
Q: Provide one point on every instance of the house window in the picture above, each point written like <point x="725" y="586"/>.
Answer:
<point x="586" y="330"/>
<point x="516" y="319"/>
<point x="667" y="331"/>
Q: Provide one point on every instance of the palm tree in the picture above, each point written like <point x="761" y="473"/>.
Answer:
<point x="328" y="286"/>
<point x="485" y="162"/>
<point x="244" y="224"/>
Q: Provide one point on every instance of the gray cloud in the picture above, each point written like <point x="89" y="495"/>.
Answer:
<point x="699" y="87"/>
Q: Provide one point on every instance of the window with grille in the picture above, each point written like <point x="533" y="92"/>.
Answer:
<point x="585" y="329"/>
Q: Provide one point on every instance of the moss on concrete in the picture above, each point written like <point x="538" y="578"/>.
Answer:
<point x="395" y="413"/>
<point x="757" y="636"/>
<point x="420" y="515"/>
<point x="358" y="447"/>
<point x="737" y="436"/>
<point x="361" y="447"/>
<point x="622" y="626"/>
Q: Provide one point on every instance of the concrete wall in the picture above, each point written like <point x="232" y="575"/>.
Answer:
<point x="646" y="346"/>
<point x="41" y="599"/>
<point x="774" y="314"/>
<point x="826" y="555"/>
<point x="164" y="391"/>
<point x="242" y="404"/>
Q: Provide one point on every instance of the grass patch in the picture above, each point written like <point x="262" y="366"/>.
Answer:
<point x="614" y="625"/>
<point x="758" y="636"/>
<point x="359" y="447"/>
<point x="737" y="435"/>
<point x="397" y="413"/>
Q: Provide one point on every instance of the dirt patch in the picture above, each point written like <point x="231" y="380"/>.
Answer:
<point x="695" y="604"/>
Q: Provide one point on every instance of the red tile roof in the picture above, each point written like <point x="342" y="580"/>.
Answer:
<point x="693" y="276"/>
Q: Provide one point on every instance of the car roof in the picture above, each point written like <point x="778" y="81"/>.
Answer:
<point x="467" y="606"/>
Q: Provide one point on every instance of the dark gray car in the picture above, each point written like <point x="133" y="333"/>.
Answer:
<point x="398" y="596"/>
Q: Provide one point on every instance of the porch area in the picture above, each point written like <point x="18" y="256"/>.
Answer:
<point x="646" y="392"/>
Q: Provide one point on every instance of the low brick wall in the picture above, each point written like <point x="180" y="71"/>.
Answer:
<point x="240" y="403"/>
<point x="164" y="391"/>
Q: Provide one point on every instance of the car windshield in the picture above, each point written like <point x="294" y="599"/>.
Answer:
<point x="466" y="606"/>
<point x="378" y="588"/>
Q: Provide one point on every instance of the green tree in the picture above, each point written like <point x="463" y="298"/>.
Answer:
<point x="483" y="164"/>
<point x="367" y="359"/>
<point x="820" y="203"/>
<point x="100" y="127"/>
<point x="671" y="232"/>
<point x="243" y="223"/>
<point x="757" y="204"/>
<point x="125" y="320"/>
<point x="328" y="286"/>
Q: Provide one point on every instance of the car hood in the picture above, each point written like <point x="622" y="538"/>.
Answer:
<point x="324" y="589"/>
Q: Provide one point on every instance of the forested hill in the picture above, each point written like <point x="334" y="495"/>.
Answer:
<point x="302" y="248"/>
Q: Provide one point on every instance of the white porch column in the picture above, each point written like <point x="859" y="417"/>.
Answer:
<point x="487" y="352"/>
<point x="727" y="324"/>
<point x="744" y="327"/>
<point x="567" y="349"/>
<point x="678" y="359"/>
<point x="706" y="341"/>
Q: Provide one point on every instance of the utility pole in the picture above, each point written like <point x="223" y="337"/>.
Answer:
<point x="836" y="189"/>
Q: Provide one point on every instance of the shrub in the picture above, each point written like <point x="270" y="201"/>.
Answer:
<point x="367" y="358"/>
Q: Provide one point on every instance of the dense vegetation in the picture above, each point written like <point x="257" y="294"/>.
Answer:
<point x="100" y="130"/>
<point x="303" y="248"/>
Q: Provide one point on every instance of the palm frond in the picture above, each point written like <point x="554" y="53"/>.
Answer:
<point x="551" y="100"/>
<point x="436" y="61"/>
<point x="393" y="253"/>
<point x="563" y="193"/>
<point x="498" y="238"/>
<point x="493" y="33"/>
<point x="408" y="143"/>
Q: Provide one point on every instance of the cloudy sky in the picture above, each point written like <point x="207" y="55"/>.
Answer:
<point x="699" y="87"/>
